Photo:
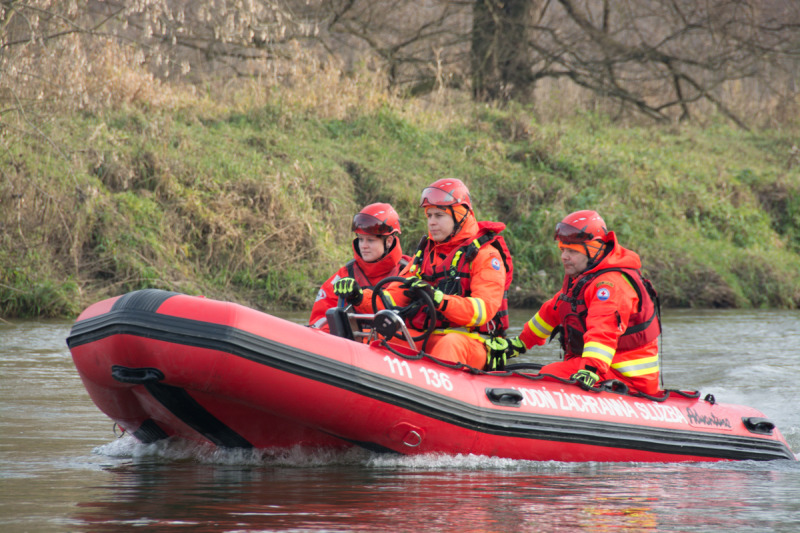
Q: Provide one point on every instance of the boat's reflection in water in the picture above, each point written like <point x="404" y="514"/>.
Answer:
<point x="174" y="485"/>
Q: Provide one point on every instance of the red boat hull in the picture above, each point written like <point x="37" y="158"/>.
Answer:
<point x="162" y="364"/>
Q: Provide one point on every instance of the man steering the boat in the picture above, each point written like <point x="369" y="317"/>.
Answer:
<point x="376" y="255"/>
<point x="465" y="268"/>
<point x="606" y="314"/>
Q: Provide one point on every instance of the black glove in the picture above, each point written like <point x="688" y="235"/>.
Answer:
<point x="348" y="289"/>
<point x="585" y="378"/>
<point x="497" y="352"/>
<point x="415" y="288"/>
<point x="516" y="347"/>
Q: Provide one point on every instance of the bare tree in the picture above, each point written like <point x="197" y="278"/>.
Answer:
<point x="59" y="52"/>
<point x="211" y="37"/>
<point x="416" y="39"/>
<point x="660" y="58"/>
<point x="500" y="59"/>
<point x="665" y="59"/>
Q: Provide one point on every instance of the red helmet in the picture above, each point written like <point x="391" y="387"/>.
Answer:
<point x="446" y="192"/>
<point x="580" y="227"/>
<point x="377" y="219"/>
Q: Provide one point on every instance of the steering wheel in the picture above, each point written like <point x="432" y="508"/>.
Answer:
<point x="427" y="301"/>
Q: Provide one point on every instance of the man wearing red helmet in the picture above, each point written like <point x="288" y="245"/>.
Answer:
<point x="376" y="254"/>
<point x="465" y="267"/>
<point x="608" y="314"/>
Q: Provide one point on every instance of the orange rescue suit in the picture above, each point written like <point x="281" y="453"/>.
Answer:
<point x="611" y="301"/>
<point x="460" y="341"/>
<point x="366" y="274"/>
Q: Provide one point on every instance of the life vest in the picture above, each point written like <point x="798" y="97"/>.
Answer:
<point x="355" y="272"/>
<point x="644" y="324"/>
<point x="453" y="275"/>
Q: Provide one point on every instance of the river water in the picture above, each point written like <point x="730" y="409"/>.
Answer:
<point x="63" y="469"/>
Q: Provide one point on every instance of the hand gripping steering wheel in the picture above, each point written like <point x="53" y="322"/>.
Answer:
<point x="407" y="311"/>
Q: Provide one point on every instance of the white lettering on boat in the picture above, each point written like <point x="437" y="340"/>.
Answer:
<point x="538" y="398"/>
<point x="590" y="404"/>
<point x="661" y="413"/>
<point x="581" y="403"/>
<point x="437" y="379"/>
<point x="397" y="366"/>
<point x="433" y="378"/>
<point x="568" y="401"/>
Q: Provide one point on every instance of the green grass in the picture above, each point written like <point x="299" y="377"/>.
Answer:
<point x="254" y="204"/>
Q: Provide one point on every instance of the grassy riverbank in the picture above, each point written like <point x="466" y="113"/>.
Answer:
<point x="250" y="197"/>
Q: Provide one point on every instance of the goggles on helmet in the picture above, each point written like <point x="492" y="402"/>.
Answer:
<point x="431" y="196"/>
<point x="370" y="225"/>
<point x="571" y="235"/>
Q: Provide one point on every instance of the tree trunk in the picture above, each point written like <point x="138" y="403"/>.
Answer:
<point x="499" y="63"/>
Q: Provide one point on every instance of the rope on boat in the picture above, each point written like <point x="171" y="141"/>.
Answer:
<point x="611" y="385"/>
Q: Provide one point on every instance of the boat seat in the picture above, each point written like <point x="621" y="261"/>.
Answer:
<point x="339" y="323"/>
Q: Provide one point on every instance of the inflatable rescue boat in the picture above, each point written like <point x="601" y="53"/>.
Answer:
<point x="166" y="365"/>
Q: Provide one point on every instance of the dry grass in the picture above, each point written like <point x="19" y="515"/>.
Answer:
<point x="93" y="74"/>
<point x="85" y="75"/>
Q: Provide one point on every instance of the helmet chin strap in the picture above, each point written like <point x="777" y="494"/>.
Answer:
<point x="594" y="258"/>
<point x="387" y="249"/>
<point x="458" y="224"/>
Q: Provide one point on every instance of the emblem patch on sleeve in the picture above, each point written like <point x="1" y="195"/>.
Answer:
<point x="603" y="294"/>
<point x="495" y="263"/>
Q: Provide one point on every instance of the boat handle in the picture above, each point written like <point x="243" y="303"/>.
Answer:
<point x="136" y="376"/>
<point x="510" y="397"/>
<point x="758" y="425"/>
